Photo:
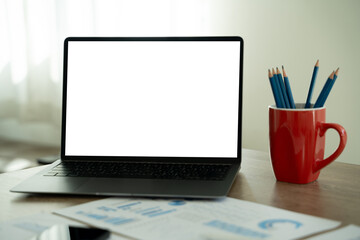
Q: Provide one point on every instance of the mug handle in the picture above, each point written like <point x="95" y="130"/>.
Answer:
<point x="343" y="138"/>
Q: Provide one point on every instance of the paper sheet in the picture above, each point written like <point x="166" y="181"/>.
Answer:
<point x="350" y="232"/>
<point x="30" y="226"/>
<point x="226" y="218"/>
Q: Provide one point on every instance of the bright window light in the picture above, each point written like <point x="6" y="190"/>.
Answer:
<point x="4" y="42"/>
<point x="18" y="40"/>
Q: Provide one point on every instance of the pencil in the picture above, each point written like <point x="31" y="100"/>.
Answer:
<point x="275" y="90"/>
<point x="281" y="97"/>
<point x="319" y="102"/>
<point x="328" y="89"/>
<point x="312" y="83"/>
<point x="288" y="89"/>
<point x="282" y="86"/>
<point x="336" y="74"/>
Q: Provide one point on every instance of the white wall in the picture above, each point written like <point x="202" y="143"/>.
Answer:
<point x="295" y="34"/>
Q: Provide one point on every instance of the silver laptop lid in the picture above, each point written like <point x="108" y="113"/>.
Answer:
<point x="158" y="99"/>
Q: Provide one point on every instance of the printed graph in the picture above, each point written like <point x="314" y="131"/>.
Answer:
<point x="128" y="211"/>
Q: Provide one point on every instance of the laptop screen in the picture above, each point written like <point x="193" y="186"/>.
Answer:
<point x="152" y="97"/>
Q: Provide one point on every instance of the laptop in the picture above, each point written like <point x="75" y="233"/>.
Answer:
<point x="148" y="116"/>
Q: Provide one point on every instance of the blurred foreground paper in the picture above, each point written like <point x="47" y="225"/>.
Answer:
<point x="226" y="218"/>
<point x="30" y="227"/>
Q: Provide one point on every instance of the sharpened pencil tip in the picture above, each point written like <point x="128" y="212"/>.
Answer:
<point x="283" y="69"/>
<point x="269" y="73"/>
<point x="337" y="71"/>
<point x="332" y="75"/>
<point x="277" y="70"/>
<point x="317" y="63"/>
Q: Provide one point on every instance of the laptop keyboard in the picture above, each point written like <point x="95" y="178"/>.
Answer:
<point x="177" y="171"/>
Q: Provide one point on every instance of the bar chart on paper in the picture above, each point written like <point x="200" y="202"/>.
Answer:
<point x="126" y="212"/>
<point x="127" y="215"/>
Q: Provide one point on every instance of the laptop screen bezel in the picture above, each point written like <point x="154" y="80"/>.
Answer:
<point x="153" y="158"/>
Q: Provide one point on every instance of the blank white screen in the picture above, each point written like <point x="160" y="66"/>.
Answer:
<point x="152" y="98"/>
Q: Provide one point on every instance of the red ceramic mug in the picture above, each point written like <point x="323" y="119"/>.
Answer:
<point x="297" y="143"/>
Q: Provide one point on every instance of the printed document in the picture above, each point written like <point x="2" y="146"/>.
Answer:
<point x="227" y="218"/>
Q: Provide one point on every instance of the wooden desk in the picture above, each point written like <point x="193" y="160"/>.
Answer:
<point x="336" y="195"/>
